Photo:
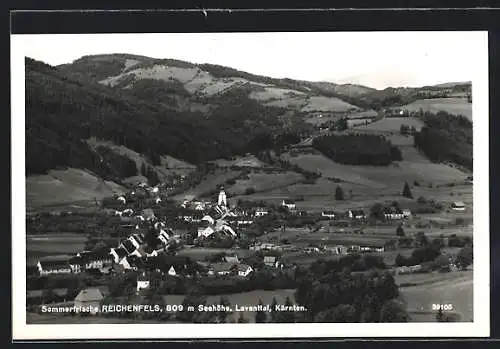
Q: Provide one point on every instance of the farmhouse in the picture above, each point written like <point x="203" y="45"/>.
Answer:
<point x="356" y="214"/>
<point x="328" y="214"/>
<point x="95" y="259"/>
<point x="121" y="199"/>
<point x="352" y="122"/>
<point x="231" y="259"/>
<point x="128" y="246"/>
<point x="391" y="213"/>
<point x="118" y="254"/>
<point x="165" y="235"/>
<point x="244" y="221"/>
<point x="272" y="261"/>
<point x="142" y="282"/>
<point x="75" y="263"/>
<point x="289" y="204"/>
<point x="205" y="232"/>
<point x="243" y="270"/>
<point x="339" y="249"/>
<point x="458" y="206"/>
<point x="90" y="297"/>
<point x="54" y="266"/>
<point x="406" y="213"/>
<point x="374" y="248"/>
<point x="221" y="268"/>
<point x="171" y="271"/>
<point x="261" y="212"/>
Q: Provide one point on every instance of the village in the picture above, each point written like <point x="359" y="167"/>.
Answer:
<point x="151" y="248"/>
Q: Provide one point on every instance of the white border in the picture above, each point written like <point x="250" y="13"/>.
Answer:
<point x="479" y="328"/>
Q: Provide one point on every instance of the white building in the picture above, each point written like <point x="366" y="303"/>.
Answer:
<point x="261" y="212"/>
<point x="458" y="206"/>
<point x="222" y="200"/>
<point x="328" y="214"/>
<point x="142" y="282"/>
<point x="288" y="204"/>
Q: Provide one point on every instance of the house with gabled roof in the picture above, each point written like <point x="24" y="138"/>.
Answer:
<point x="272" y="261"/>
<point x="289" y="204"/>
<point x="458" y="206"/>
<point x="231" y="259"/>
<point x="328" y="214"/>
<point x="142" y="282"/>
<point x="54" y="266"/>
<point x="243" y="270"/>
<point x="128" y="246"/>
<point x="118" y="254"/>
<point x="89" y="298"/>
<point x="261" y="211"/>
<point x="219" y="269"/>
<point x="356" y="214"/>
<point x="391" y="213"/>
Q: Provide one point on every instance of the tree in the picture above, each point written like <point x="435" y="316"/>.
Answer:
<point x="421" y="240"/>
<point x="400" y="231"/>
<point x="342" y="124"/>
<point x="286" y="316"/>
<point x="377" y="211"/>
<point x="344" y="313"/>
<point x="274" y="314"/>
<point x="339" y="193"/>
<point x="464" y="257"/>
<point x="260" y="316"/>
<point x="404" y="130"/>
<point x="407" y="192"/>
<point x="222" y="315"/>
<point x="440" y="316"/>
<point x="392" y="311"/>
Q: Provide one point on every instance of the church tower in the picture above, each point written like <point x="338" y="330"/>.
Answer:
<point x="222" y="201"/>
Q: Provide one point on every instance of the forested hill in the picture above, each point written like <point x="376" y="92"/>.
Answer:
<point x="61" y="113"/>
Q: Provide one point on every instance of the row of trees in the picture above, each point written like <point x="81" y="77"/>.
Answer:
<point x="358" y="149"/>
<point x="445" y="137"/>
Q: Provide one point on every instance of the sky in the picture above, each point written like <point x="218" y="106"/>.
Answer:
<point x="374" y="59"/>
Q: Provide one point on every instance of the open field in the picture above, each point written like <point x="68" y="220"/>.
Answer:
<point x="261" y="181"/>
<point x="273" y="93"/>
<point x="52" y="245"/>
<point x="320" y="103"/>
<point x="391" y="124"/>
<point x="67" y="187"/>
<point x="362" y="114"/>
<point x="169" y="164"/>
<point x="453" y="288"/>
<point x="320" y="196"/>
<point x="199" y="253"/>
<point x="210" y="184"/>
<point x="240" y="161"/>
<point x="378" y="177"/>
<point x="456" y="106"/>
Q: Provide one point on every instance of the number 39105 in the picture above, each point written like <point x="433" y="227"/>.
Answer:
<point x="442" y="306"/>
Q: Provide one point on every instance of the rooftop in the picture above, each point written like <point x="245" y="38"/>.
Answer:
<point x="89" y="295"/>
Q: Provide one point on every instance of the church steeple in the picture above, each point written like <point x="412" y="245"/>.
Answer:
<point x="222" y="200"/>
